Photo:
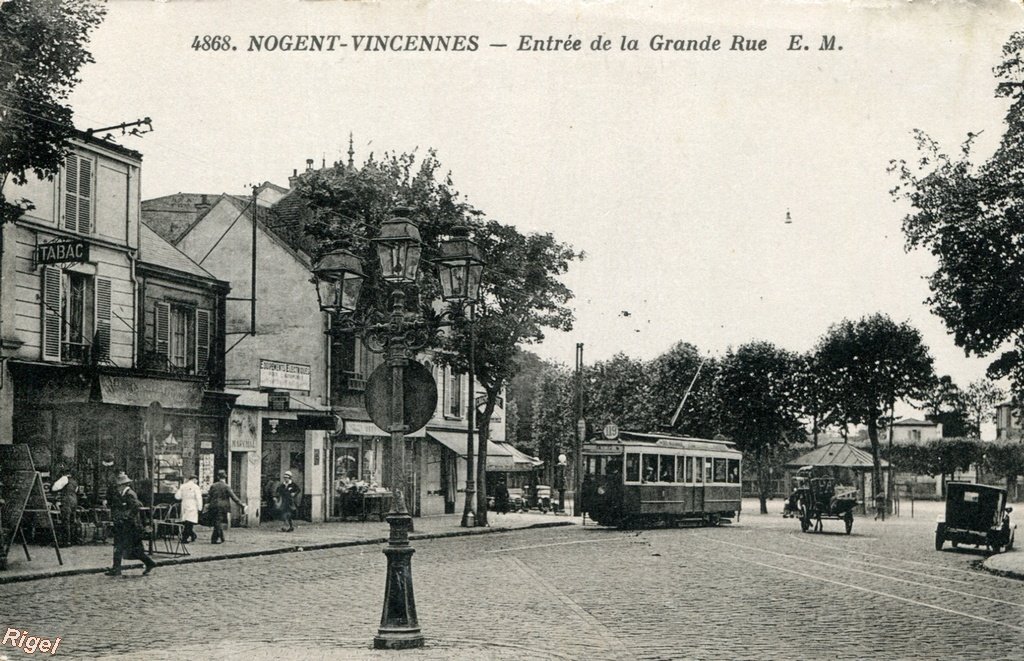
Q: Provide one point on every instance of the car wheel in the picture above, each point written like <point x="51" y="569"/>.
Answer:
<point x="940" y="537"/>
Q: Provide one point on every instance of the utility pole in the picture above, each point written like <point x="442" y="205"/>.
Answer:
<point x="468" y="512"/>
<point x="252" y="307"/>
<point x="581" y="432"/>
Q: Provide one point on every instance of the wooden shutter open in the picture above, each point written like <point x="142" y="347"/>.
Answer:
<point x="162" y="333"/>
<point x="202" y="340"/>
<point x="71" y="192"/>
<point x="101" y="341"/>
<point x="51" y="313"/>
<point x="84" y="195"/>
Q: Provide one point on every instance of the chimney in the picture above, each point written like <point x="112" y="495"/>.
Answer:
<point x="309" y="165"/>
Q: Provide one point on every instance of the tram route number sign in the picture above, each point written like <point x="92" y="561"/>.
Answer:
<point x="60" y="252"/>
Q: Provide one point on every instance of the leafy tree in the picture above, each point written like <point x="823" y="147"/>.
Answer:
<point x="1006" y="460"/>
<point x="971" y="218"/>
<point x="554" y="416"/>
<point x="522" y="296"/>
<point x="945" y="404"/>
<point x="619" y="390"/>
<point x="757" y="384"/>
<point x="670" y="375"/>
<point x="520" y="394"/>
<point x="878" y="362"/>
<point x="816" y="395"/>
<point x="980" y="400"/>
<point x="42" y="49"/>
<point x="949" y="455"/>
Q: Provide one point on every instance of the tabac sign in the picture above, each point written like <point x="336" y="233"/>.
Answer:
<point x="59" y="252"/>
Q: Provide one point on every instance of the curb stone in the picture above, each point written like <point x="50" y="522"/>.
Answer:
<point x="188" y="560"/>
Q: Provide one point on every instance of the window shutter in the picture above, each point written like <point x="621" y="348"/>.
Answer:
<point x="84" y="195"/>
<point x="51" y="318"/>
<point x="162" y="332"/>
<point x="71" y="206"/>
<point x="101" y="342"/>
<point x="202" y="341"/>
<point x="446" y="377"/>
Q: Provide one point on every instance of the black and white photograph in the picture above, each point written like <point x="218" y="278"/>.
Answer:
<point x="511" y="329"/>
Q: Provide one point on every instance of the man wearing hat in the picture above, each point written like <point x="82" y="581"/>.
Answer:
<point x="287" y="499"/>
<point x="127" y="527"/>
<point x="221" y="496"/>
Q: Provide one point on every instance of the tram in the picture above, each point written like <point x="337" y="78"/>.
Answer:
<point x="641" y="479"/>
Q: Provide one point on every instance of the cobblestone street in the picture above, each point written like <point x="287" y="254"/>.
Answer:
<point x="756" y="589"/>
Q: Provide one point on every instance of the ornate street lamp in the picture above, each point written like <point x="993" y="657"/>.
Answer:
<point x="398" y="248"/>
<point x="338" y="276"/>
<point x="460" y="268"/>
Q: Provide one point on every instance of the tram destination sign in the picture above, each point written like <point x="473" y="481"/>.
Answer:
<point x="59" y="252"/>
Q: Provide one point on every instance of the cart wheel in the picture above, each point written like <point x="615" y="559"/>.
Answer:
<point x="848" y="519"/>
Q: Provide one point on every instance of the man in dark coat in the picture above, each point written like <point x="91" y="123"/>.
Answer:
<point x="501" y="497"/>
<point x="221" y="496"/>
<point x="127" y="527"/>
<point x="287" y="499"/>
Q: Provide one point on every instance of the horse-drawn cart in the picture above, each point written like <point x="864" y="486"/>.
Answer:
<point x="817" y="497"/>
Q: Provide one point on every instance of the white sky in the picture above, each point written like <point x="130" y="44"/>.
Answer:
<point x="672" y="171"/>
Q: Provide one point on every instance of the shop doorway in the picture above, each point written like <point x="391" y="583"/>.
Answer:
<point x="280" y="457"/>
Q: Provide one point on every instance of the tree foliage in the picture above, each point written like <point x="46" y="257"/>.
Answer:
<point x="758" y="389"/>
<point x="874" y="362"/>
<point x="619" y="390"/>
<point x="42" y="49"/>
<point x="946" y="404"/>
<point x="971" y="218"/>
<point x="980" y="401"/>
<point x="670" y="376"/>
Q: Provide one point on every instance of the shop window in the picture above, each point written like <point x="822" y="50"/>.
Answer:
<point x="75" y="315"/>
<point x="79" y="189"/>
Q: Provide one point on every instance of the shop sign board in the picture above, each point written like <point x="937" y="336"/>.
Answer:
<point x="284" y="376"/>
<point x="60" y="252"/>
<point x="279" y="401"/>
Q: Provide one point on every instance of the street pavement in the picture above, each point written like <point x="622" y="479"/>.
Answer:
<point x="756" y="589"/>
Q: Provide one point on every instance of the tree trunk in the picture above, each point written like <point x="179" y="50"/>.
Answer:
<point x="483" y="434"/>
<point x="814" y="430"/>
<point x="762" y="486"/>
<point x="876" y="472"/>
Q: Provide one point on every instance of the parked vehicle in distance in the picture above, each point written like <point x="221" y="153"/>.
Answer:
<point x="816" y="496"/>
<point x="975" y="514"/>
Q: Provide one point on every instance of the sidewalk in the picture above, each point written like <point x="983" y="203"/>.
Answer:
<point x="267" y="539"/>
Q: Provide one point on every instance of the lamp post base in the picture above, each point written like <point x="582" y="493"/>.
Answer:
<point x="399" y="626"/>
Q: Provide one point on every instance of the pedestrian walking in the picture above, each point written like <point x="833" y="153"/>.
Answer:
<point x="287" y="500"/>
<point x="67" y="486"/>
<point x="127" y="528"/>
<point x="221" y="496"/>
<point x="501" y="498"/>
<point x="191" y="497"/>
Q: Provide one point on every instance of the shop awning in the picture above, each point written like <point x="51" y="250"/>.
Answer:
<point x="139" y="391"/>
<point x="498" y="457"/>
<point x="522" y="460"/>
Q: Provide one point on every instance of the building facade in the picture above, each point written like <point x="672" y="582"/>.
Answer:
<point x="316" y="424"/>
<point x="95" y="350"/>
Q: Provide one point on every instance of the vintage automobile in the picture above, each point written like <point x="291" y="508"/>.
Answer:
<point x="975" y="514"/>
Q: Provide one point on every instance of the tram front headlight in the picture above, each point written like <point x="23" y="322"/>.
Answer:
<point x="600" y="491"/>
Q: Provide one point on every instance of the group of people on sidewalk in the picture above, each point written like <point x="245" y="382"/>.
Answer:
<point x="126" y="514"/>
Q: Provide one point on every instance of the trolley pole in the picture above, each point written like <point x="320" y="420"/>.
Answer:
<point x="581" y="433"/>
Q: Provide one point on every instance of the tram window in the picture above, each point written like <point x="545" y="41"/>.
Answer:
<point x="680" y="468"/>
<point x="734" y="471"/>
<point x="698" y="469"/>
<point x="667" y="468"/>
<point x="594" y="465"/>
<point x="632" y="467"/>
<point x="650" y="468"/>
<point x="720" y="471"/>
<point x="688" y="475"/>
<point x="709" y="475"/>
<point x="613" y="467"/>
